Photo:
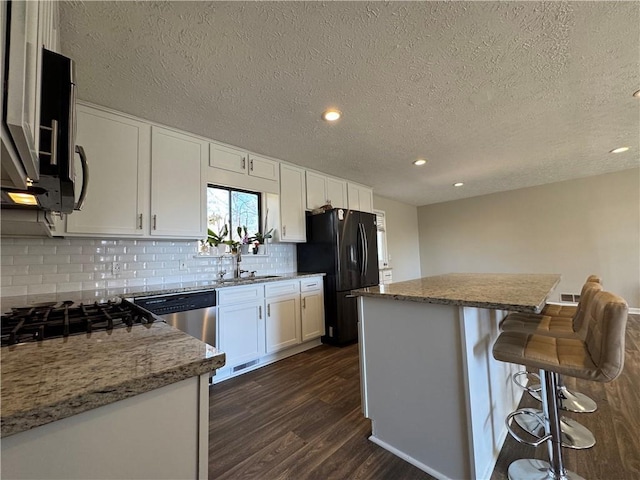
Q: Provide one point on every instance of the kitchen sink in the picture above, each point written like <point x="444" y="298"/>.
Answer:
<point x="257" y="278"/>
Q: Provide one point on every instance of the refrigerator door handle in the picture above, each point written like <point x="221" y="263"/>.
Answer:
<point x="366" y="251"/>
<point x="363" y="263"/>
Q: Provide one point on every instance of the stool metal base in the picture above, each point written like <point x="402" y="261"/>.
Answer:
<point x="570" y="401"/>
<point x="531" y="469"/>
<point x="574" y="434"/>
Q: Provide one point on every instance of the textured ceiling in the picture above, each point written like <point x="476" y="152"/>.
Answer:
<point x="499" y="95"/>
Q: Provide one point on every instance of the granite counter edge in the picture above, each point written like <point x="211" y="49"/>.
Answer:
<point x="446" y="301"/>
<point x="89" y="400"/>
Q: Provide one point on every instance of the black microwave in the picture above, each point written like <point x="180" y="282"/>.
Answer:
<point x="57" y="182"/>
<point x="55" y="188"/>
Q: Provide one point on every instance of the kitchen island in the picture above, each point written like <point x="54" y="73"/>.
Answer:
<point x="434" y="393"/>
<point x="127" y="403"/>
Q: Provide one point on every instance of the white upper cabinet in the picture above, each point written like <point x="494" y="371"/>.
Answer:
<point x="118" y="151"/>
<point x="360" y="198"/>
<point x="238" y="168"/>
<point x="322" y="190"/>
<point x="178" y="193"/>
<point x="263" y="167"/>
<point x="32" y="26"/>
<point x="292" y="204"/>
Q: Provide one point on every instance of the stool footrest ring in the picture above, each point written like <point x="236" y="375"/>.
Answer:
<point x="535" y="389"/>
<point x="538" y="416"/>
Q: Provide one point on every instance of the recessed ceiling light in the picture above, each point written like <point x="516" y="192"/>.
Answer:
<point x="331" y="115"/>
<point x="636" y="94"/>
<point x="419" y="162"/>
<point x="619" y="150"/>
<point x="458" y="184"/>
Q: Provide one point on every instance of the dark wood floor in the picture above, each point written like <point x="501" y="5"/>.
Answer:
<point x="300" y="418"/>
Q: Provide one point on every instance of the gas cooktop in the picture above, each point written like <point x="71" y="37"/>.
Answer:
<point x="49" y="320"/>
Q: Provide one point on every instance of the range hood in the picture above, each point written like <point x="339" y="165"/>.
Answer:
<point x="26" y="222"/>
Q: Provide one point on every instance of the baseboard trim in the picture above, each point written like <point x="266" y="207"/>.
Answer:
<point x="409" y="459"/>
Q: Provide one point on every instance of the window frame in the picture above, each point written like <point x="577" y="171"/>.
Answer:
<point x="233" y="228"/>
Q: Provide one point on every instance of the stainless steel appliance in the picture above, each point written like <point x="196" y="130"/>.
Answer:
<point x="192" y="312"/>
<point x="343" y="244"/>
<point x="44" y="321"/>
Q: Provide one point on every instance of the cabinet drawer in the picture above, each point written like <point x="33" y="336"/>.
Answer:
<point x="276" y="289"/>
<point x="231" y="295"/>
<point x="311" y="284"/>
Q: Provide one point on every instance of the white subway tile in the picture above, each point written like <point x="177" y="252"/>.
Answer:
<point x="30" y="241"/>
<point x="94" y="285"/>
<point x="41" y="250"/>
<point x="69" y="287"/>
<point x="55" y="259"/>
<point x="41" y="288"/>
<point x="80" y="277"/>
<point x="9" y="270"/>
<point x="6" y="281"/>
<point x="27" y="259"/>
<point x="27" y="279"/>
<point x="94" y="267"/>
<point x="70" y="268"/>
<point x="13" y="291"/>
<point x="14" y="250"/>
<point x="69" y="249"/>
<point x="38" y="269"/>
<point x="82" y="258"/>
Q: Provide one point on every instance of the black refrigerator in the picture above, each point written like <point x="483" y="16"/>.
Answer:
<point x="344" y="245"/>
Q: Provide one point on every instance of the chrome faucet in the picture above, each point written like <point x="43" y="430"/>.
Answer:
<point x="237" y="271"/>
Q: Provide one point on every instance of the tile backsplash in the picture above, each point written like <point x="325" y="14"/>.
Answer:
<point x="31" y="266"/>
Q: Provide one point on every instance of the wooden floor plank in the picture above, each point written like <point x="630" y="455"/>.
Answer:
<point x="300" y="418"/>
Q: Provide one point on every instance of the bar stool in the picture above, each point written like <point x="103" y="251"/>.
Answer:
<point x="560" y="326"/>
<point x="599" y="356"/>
<point x="567" y="310"/>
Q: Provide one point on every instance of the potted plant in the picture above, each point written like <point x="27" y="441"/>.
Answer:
<point x="245" y="240"/>
<point x="214" y="239"/>
<point x="259" y="239"/>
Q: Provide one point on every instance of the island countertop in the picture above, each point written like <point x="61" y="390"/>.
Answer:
<point x="500" y="291"/>
<point x="47" y="381"/>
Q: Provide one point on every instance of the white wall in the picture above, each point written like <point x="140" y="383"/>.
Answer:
<point x="32" y="266"/>
<point x="402" y="237"/>
<point x="575" y="228"/>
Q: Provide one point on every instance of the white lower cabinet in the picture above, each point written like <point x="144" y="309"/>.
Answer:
<point x="283" y="315"/>
<point x="263" y="323"/>
<point x="312" y="308"/>
<point x="105" y="442"/>
<point x="241" y="328"/>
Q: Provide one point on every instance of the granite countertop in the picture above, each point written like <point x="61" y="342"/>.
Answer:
<point x="104" y="295"/>
<point x="500" y="291"/>
<point x="47" y="381"/>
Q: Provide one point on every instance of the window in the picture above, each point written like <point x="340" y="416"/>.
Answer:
<point x="236" y="208"/>
<point x="381" y="227"/>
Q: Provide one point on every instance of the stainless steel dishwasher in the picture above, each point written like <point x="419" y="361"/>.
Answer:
<point x="192" y="312"/>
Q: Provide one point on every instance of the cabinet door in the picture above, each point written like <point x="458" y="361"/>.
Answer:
<point x="177" y="191"/>
<point x="337" y="192"/>
<point x="227" y="158"/>
<point x="316" y="193"/>
<point x="241" y="332"/>
<point x="263" y="167"/>
<point x="118" y="150"/>
<point x="360" y="198"/>
<point x="292" y="203"/>
<point x="312" y="315"/>
<point x="283" y="323"/>
<point x="23" y="85"/>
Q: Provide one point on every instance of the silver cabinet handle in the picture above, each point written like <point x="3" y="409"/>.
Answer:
<point x="85" y="177"/>
<point x="244" y="163"/>
<point x="268" y="310"/>
<point x="251" y="164"/>
<point x="304" y="302"/>
<point x="155" y="221"/>
<point x="140" y="221"/>
<point x="284" y="230"/>
<point x="260" y="312"/>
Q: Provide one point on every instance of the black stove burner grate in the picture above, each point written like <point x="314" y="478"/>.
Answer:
<point x="54" y="320"/>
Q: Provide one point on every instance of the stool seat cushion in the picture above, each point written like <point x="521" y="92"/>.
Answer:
<point x="559" y="310"/>
<point x="598" y="356"/>
<point x="544" y="324"/>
